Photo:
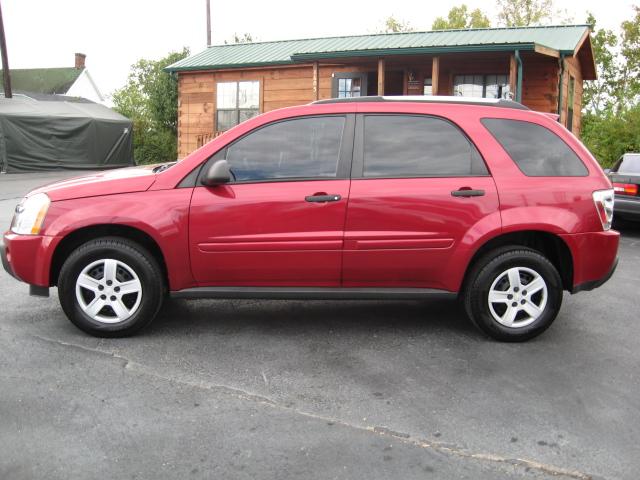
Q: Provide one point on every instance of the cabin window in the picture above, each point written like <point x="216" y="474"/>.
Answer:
<point x="348" y="85"/>
<point x="481" y="86"/>
<point x="236" y="102"/>
<point x="572" y="88"/>
<point x="428" y="87"/>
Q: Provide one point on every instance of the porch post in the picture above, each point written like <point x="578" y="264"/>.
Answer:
<point x="316" y="82"/>
<point x="519" y="82"/>
<point x="435" y="74"/>
<point x="512" y="75"/>
<point x="381" y="76"/>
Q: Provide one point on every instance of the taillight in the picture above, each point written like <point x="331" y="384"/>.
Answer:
<point x="604" y="205"/>
<point x="625" y="188"/>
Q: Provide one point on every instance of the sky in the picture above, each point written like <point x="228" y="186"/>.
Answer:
<point x="114" y="34"/>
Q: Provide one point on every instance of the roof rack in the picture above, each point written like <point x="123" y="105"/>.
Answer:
<point x="486" y="102"/>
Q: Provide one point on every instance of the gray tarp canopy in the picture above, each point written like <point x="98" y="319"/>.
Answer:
<point x="61" y="133"/>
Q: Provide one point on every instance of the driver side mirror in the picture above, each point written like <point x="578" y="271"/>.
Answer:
<point x="607" y="171"/>
<point x="218" y="173"/>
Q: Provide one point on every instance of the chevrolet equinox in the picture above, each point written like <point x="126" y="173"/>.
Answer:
<point x="366" y="198"/>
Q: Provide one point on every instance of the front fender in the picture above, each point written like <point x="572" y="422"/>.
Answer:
<point x="162" y="215"/>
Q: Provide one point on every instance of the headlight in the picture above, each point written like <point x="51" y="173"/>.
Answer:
<point x="30" y="214"/>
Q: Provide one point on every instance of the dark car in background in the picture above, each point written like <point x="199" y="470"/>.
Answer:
<point x="625" y="177"/>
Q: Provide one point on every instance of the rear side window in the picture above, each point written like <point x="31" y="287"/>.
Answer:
<point x="300" y="148"/>
<point x="536" y="150"/>
<point x="417" y="146"/>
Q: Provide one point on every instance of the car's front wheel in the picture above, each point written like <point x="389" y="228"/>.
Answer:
<point x="110" y="287"/>
<point x="513" y="294"/>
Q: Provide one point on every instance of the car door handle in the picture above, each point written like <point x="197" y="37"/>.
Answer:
<point x="467" y="192"/>
<point x="322" y="197"/>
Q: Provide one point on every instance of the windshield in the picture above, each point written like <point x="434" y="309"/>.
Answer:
<point x="629" y="163"/>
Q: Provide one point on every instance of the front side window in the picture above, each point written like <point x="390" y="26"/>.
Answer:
<point x="417" y="146"/>
<point x="300" y="148"/>
<point x="235" y="103"/>
<point x="536" y="150"/>
<point x="481" y="86"/>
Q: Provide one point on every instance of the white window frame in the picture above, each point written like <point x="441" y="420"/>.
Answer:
<point x="237" y="108"/>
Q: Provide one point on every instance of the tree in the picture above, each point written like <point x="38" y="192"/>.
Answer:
<point x="460" y="17"/>
<point x="630" y="51"/>
<point x="393" y="25"/>
<point x="521" y="13"/>
<point x="599" y="95"/>
<point x="611" y="121"/>
<point x="150" y="100"/>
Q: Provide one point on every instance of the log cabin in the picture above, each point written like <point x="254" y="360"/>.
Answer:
<point x="542" y="67"/>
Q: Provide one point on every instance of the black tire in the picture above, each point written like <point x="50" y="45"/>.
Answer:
<point x="133" y="256"/>
<point x="492" y="267"/>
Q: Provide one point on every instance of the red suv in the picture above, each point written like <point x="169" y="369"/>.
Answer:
<point x="364" y="198"/>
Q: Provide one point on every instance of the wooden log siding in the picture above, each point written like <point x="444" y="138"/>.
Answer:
<point x="572" y="68"/>
<point x="540" y="82"/>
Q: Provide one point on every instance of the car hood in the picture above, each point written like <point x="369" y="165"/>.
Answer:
<point x="110" y="182"/>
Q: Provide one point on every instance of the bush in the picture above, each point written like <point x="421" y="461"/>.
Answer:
<point x="610" y="136"/>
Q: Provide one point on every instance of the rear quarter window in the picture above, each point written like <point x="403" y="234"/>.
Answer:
<point x="536" y="150"/>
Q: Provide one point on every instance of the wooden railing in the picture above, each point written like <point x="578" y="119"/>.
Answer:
<point x="205" y="138"/>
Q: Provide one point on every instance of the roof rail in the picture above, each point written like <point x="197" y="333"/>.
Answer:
<point x="486" y="102"/>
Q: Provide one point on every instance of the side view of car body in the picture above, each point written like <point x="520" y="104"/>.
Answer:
<point x="375" y="198"/>
<point x="625" y="176"/>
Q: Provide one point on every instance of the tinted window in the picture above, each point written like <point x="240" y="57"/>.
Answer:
<point x="537" y="151"/>
<point x="301" y="148"/>
<point x="417" y="146"/>
<point x="629" y="163"/>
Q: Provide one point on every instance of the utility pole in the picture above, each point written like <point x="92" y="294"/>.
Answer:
<point x="5" y="59"/>
<point x="208" y="22"/>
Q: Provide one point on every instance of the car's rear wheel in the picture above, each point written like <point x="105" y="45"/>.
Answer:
<point x="111" y="287"/>
<point x="513" y="293"/>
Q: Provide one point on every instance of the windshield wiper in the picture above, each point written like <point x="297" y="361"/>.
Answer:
<point x="163" y="167"/>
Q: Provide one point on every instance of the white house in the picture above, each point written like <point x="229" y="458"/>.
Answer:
<point x="73" y="81"/>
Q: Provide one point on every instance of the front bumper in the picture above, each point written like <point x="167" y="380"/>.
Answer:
<point x="5" y="261"/>
<point x="28" y="258"/>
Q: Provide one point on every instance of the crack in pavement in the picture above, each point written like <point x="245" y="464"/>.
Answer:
<point x="405" y="438"/>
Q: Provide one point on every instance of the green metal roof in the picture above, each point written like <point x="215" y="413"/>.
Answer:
<point x="44" y="80"/>
<point x="563" y="38"/>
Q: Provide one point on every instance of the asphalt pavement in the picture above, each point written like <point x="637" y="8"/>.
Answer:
<point x="319" y="389"/>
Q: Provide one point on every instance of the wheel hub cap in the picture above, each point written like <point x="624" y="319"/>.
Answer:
<point x="108" y="291"/>
<point x="517" y="297"/>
